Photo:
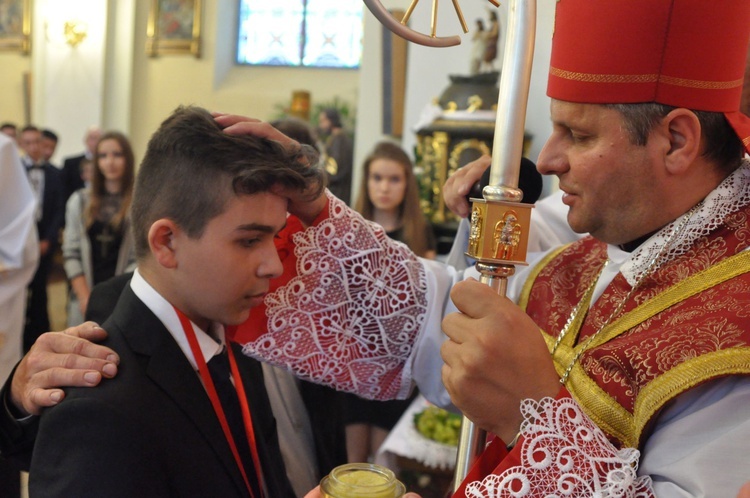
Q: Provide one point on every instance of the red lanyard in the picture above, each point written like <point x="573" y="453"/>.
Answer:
<point x="214" y="397"/>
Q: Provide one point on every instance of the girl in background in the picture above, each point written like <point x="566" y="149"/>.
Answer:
<point x="388" y="196"/>
<point x="97" y="243"/>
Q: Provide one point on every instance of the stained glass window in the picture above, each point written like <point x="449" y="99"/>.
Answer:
<point x="313" y="33"/>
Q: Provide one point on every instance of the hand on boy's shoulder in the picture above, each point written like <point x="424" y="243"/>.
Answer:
<point x="61" y="359"/>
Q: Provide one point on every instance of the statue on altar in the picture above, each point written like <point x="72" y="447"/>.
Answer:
<point x="484" y="48"/>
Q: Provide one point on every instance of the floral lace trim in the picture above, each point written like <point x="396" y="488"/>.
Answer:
<point x="564" y="454"/>
<point x="732" y="194"/>
<point x="351" y="315"/>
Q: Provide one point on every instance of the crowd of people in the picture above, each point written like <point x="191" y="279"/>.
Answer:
<point x="79" y="214"/>
<point x="619" y="364"/>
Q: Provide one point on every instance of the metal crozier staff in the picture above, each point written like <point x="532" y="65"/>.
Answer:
<point x="499" y="222"/>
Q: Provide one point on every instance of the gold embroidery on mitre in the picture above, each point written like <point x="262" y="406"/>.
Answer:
<point x="603" y="78"/>
<point x="705" y="85"/>
<point x="644" y="78"/>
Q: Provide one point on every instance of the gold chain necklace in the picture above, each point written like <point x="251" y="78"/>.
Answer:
<point x="586" y="298"/>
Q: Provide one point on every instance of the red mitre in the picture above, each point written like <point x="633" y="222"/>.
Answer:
<point x="682" y="53"/>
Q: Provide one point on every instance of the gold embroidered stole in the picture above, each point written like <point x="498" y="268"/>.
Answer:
<point x="677" y="333"/>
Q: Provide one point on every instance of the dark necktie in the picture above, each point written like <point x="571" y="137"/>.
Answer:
<point x="218" y="366"/>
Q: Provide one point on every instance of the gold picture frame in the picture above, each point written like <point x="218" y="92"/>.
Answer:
<point x="15" y="25"/>
<point x="174" y="27"/>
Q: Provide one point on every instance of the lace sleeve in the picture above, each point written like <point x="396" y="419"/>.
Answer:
<point x="562" y="453"/>
<point x="352" y="312"/>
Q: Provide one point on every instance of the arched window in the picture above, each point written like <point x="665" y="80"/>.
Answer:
<point x="312" y="33"/>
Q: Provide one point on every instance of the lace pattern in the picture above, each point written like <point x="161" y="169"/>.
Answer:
<point x="564" y="454"/>
<point x="732" y="194"/>
<point x="350" y="316"/>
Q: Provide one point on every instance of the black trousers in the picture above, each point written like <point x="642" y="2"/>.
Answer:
<point x="10" y="480"/>
<point x="37" y="312"/>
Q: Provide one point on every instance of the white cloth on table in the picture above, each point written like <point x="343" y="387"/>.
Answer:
<point x="406" y="441"/>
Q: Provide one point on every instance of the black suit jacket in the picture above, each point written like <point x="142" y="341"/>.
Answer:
<point x="150" y="431"/>
<point x="323" y="404"/>
<point x="71" y="175"/>
<point x="53" y="207"/>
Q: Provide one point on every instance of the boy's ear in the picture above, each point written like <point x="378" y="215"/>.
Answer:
<point x="685" y="139"/>
<point x="161" y="240"/>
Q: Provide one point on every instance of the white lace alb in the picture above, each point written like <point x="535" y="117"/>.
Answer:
<point x="564" y="454"/>
<point x="350" y="317"/>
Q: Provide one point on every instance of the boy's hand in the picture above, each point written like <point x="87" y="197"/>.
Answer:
<point x="61" y="359"/>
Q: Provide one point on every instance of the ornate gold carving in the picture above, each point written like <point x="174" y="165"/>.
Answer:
<point x="474" y="102"/>
<point x="507" y="236"/>
<point x="475" y="232"/>
<point x="499" y="231"/>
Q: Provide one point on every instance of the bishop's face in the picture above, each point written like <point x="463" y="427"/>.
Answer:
<point x="610" y="185"/>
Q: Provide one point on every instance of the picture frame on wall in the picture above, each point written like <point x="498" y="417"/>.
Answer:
<point x="15" y="25"/>
<point x="174" y="27"/>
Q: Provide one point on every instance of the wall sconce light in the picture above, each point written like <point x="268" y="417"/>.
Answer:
<point x="75" y="32"/>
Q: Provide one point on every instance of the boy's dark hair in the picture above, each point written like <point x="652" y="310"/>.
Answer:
<point x="8" y="125"/>
<point x="49" y="134"/>
<point x="192" y="169"/>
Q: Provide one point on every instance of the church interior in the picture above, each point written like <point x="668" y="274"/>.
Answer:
<point x="82" y="63"/>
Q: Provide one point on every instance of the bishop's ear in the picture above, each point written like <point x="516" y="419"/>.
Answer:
<point x="162" y="242"/>
<point x="684" y="132"/>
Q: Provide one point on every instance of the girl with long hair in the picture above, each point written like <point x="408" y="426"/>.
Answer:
<point x="389" y="196"/>
<point x="97" y="243"/>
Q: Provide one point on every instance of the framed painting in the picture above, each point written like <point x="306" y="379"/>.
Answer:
<point x="15" y="25"/>
<point x="174" y="27"/>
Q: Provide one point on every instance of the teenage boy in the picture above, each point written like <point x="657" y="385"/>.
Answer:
<point x="206" y="208"/>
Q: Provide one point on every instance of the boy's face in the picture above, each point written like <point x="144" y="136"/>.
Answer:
<point x="225" y="272"/>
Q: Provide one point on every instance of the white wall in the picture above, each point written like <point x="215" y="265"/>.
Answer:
<point x="68" y="82"/>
